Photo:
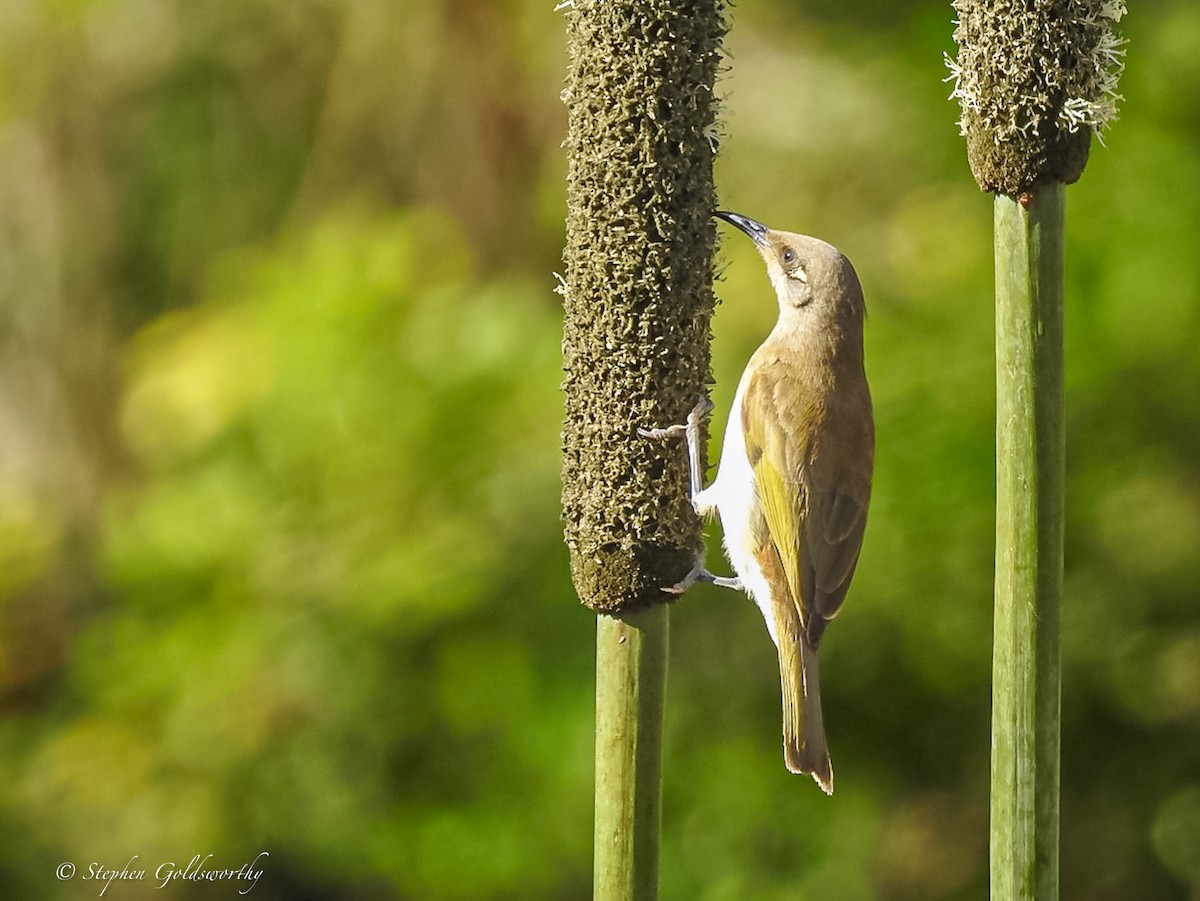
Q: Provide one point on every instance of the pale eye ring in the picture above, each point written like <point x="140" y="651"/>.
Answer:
<point x="788" y="257"/>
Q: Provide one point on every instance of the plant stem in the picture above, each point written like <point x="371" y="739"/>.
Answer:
<point x="1030" y="455"/>
<point x="631" y="679"/>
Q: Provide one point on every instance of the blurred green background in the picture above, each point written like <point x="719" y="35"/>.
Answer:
<point x="280" y="561"/>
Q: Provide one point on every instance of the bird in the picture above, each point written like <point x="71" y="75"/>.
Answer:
<point x="793" y="482"/>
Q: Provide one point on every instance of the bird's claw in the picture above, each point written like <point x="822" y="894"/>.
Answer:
<point x="700" y="573"/>
<point x="671" y="431"/>
<point x="692" y="426"/>
<point x="703" y="408"/>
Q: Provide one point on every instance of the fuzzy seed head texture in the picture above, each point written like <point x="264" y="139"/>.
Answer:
<point x="637" y="290"/>
<point x="1035" y="79"/>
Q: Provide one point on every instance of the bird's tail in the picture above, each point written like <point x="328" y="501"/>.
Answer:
<point x="804" y="746"/>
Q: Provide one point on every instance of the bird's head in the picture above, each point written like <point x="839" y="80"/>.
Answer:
<point x="812" y="279"/>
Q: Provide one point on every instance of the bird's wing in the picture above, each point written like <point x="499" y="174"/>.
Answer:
<point x="776" y="453"/>
<point x="839" y="473"/>
<point x="813" y="488"/>
<point x="830" y="554"/>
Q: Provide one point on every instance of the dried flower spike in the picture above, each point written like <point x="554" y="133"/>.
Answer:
<point x="1035" y="78"/>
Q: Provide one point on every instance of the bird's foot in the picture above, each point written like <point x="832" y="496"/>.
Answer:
<point x="692" y="430"/>
<point x="691" y="427"/>
<point x="700" y="573"/>
<point x="671" y="431"/>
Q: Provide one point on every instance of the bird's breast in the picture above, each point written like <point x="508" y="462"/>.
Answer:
<point x="734" y="496"/>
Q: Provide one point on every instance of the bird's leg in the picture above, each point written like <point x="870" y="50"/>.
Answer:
<point x="692" y="431"/>
<point x="699" y="572"/>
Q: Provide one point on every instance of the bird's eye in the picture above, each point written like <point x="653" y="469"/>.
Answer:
<point x="790" y="260"/>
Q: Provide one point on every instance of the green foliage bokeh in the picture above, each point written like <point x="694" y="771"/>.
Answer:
<point x="280" y="559"/>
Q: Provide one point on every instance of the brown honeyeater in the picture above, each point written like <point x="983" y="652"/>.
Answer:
<point x="794" y="479"/>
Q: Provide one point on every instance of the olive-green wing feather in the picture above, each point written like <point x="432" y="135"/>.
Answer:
<point x="776" y="453"/>
<point x="812" y="458"/>
<point x="838" y="471"/>
<point x="830" y="554"/>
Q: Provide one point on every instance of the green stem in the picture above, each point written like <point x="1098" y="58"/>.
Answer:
<point x="1029" y="545"/>
<point x="631" y="679"/>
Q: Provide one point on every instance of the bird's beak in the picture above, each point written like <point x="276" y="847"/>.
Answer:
<point x="756" y="230"/>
